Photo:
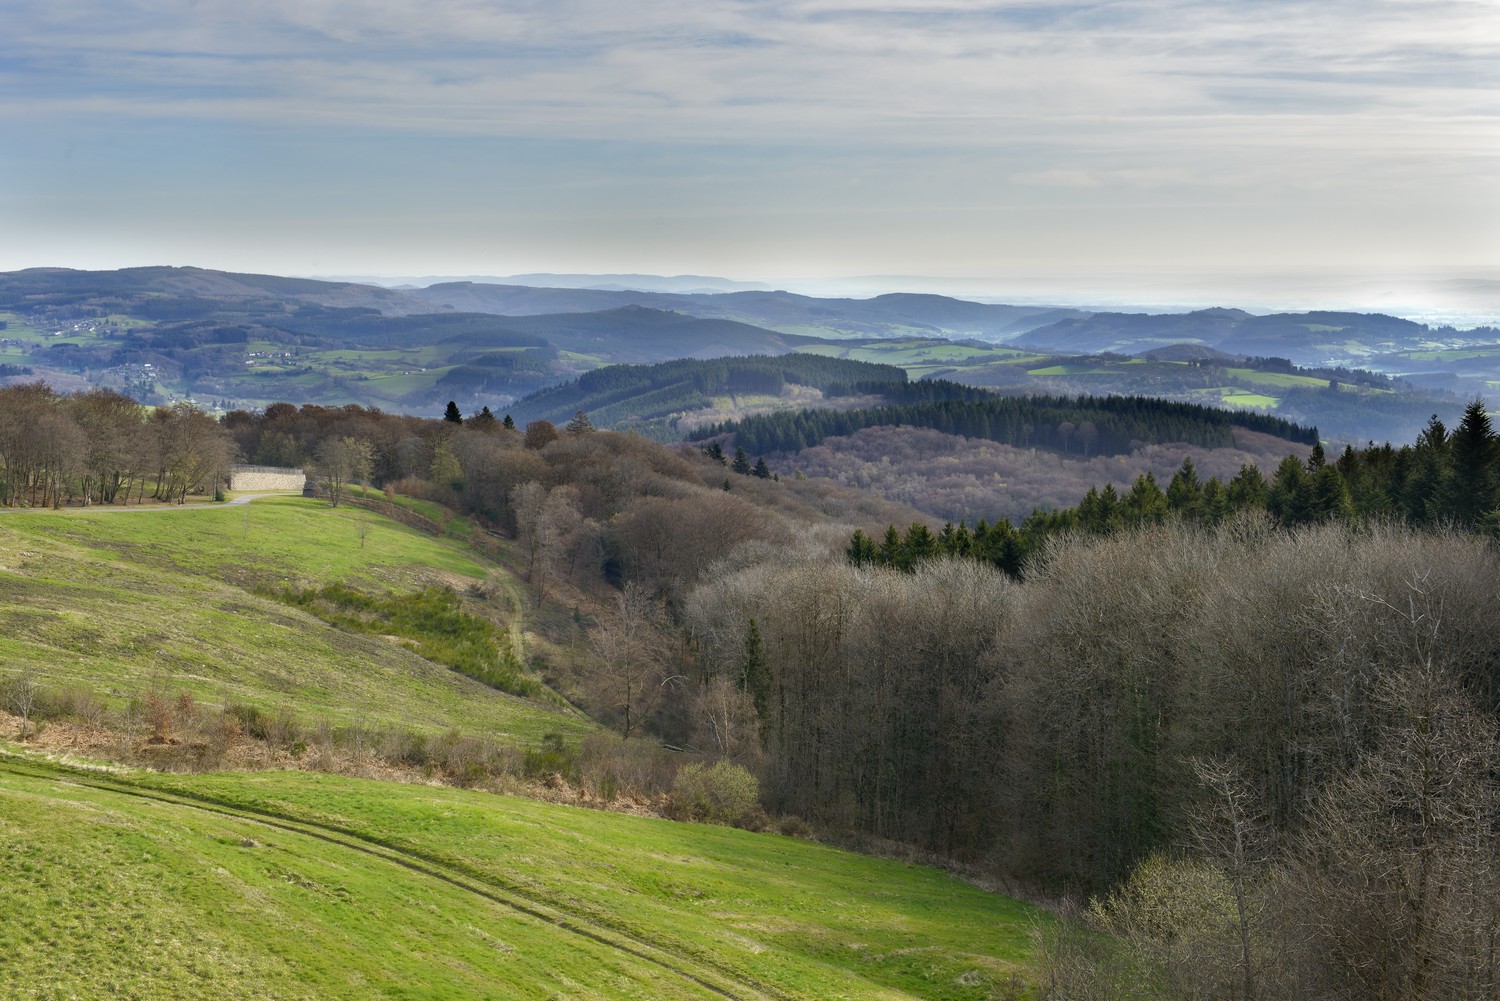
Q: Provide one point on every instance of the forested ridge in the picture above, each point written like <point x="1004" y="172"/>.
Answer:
<point x="1254" y="723"/>
<point x="616" y="394"/>
<point x="1106" y="425"/>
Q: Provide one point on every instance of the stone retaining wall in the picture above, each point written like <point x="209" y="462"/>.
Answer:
<point x="244" y="479"/>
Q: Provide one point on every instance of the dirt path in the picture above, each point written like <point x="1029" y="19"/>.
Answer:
<point x="124" y="508"/>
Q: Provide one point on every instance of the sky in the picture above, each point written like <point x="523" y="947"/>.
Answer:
<point x="1095" y="146"/>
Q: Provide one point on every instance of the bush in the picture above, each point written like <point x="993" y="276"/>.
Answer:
<point x="71" y="703"/>
<point x="553" y="757"/>
<point x="721" y="793"/>
<point x="612" y="766"/>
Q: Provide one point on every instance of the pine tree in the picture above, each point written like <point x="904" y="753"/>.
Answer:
<point x="1432" y="465"/>
<point x="741" y="463"/>
<point x="1185" y="493"/>
<point x="1470" y="493"/>
<point x="761" y="469"/>
<point x="580" y="424"/>
<point x="509" y="423"/>
<point x="861" y="551"/>
<point x="452" y="415"/>
<point x="1290" y="497"/>
<point x="755" y="673"/>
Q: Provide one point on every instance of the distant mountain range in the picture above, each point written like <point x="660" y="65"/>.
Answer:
<point x="165" y="333"/>
<point x="643" y="283"/>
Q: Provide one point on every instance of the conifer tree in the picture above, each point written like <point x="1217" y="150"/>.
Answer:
<point x="452" y="415"/>
<point x="861" y="551"/>
<point x="1185" y="493"/>
<point x="741" y="463"/>
<point x="1470" y="492"/>
<point x="755" y="673"/>
<point x="1290" y="498"/>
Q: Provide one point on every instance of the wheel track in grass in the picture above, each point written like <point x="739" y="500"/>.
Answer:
<point x="703" y="973"/>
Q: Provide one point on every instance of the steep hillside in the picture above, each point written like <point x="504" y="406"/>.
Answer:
<point x="127" y="602"/>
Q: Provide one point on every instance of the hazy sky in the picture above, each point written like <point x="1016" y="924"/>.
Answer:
<point x="750" y="139"/>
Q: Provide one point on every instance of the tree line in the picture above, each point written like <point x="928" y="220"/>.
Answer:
<point x="99" y="447"/>
<point x="1086" y="425"/>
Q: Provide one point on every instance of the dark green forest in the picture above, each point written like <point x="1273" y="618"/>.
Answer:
<point x="1085" y="425"/>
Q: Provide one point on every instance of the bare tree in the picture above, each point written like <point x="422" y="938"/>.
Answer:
<point x="21" y="694"/>
<point x="343" y="461"/>
<point x="1232" y="832"/>
<point x="1393" y="882"/>
<point x="630" y="681"/>
<point x="726" y="720"/>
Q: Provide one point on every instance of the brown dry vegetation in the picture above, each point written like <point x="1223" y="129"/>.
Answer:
<point x="953" y="478"/>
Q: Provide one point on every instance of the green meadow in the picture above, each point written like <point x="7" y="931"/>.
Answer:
<point x="122" y="601"/>
<point x="299" y="885"/>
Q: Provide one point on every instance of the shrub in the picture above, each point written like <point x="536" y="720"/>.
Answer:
<point x="74" y="702"/>
<point x="612" y="766"/>
<point x="553" y="757"/>
<point x="721" y="793"/>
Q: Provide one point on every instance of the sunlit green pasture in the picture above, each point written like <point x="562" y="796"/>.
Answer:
<point x="1086" y="368"/>
<point x="379" y="890"/>
<point x="1236" y="397"/>
<point x="119" y="602"/>
<point x="404" y="383"/>
<point x="1454" y="354"/>
<point x="1283" y="379"/>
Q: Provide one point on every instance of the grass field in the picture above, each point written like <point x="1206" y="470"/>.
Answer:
<point x="1236" y="397"/>
<point x="294" y="885"/>
<point x="1280" y="379"/>
<point x="123" y="601"/>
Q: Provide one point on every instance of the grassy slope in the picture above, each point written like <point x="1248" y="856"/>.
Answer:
<point x="122" y="601"/>
<point x="303" y="885"/>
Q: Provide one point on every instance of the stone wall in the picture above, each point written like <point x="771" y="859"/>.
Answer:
<point x="244" y="479"/>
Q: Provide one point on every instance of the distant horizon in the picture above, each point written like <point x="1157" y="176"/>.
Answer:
<point x="1463" y="297"/>
<point x="1107" y="151"/>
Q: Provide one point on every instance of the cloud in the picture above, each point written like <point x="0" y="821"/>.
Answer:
<point x="976" y="114"/>
<point x="933" y="71"/>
